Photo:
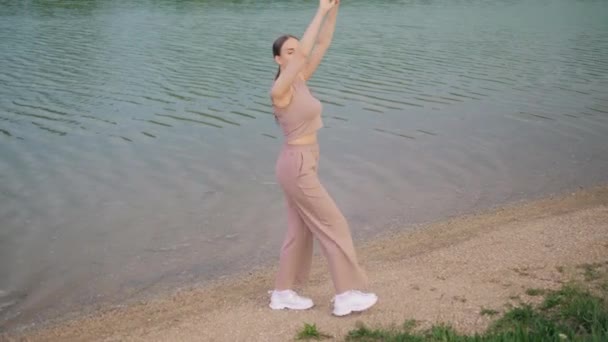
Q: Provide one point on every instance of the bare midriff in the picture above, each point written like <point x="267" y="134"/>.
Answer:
<point x="304" y="140"/>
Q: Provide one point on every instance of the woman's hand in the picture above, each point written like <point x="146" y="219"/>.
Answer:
<point x="327" y="5"/>
<point x="281" y="89"/>
<point x="335" y="7"/>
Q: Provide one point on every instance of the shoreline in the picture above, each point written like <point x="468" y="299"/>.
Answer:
<point x="435" y="262"/>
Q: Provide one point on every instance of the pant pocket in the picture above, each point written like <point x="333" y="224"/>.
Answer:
<point x="299" y="162"/>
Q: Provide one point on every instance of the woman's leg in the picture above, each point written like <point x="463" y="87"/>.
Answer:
<point x="296" y="253"/>
<point x="321" y="215"/>
<point x="297" y="171"/>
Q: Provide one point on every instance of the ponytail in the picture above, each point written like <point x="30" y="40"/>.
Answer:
<point x="278" y="74"/>
<point x="276" y="118"/>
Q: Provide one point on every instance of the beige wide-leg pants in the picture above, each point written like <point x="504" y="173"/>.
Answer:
<point x="313" y="213"/>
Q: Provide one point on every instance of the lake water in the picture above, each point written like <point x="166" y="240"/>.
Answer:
<point x="137" y="144"/>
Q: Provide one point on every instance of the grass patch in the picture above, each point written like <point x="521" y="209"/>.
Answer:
<point x="310" y="332"/>
<point x="488" y="312"/>
<point x="591" y="271"/>
<point x="535" y="292"/>
<point x="363" y="333"/>
<point x="409" y="325"/>
<point x="571" y="313"/>
<point x="574" y="312"/>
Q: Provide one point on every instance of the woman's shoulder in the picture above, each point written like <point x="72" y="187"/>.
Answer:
<point x="298" y="82"/>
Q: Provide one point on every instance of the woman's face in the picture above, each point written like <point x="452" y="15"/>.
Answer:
<point x="287" y="51"/>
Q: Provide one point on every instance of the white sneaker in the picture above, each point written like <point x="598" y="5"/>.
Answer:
<point x="353" y="301"/>
<point x="288" y="299"/>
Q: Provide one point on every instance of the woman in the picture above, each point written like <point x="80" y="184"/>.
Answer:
<point x="311" y="211"/>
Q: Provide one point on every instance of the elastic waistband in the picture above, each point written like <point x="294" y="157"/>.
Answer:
<point x="302" y="147"/>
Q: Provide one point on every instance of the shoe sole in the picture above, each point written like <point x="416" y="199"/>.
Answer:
<point x="356" y="308"/>
<point x="282" y="307"/>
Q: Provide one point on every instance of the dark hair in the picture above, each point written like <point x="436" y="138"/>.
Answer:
<point x="276" y="48"/>
<point x="276" y="51"/>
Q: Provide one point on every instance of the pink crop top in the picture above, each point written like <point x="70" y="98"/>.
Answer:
<point x="302" y="116"/>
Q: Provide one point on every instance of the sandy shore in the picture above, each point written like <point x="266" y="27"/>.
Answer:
<point x="443" y="272"/>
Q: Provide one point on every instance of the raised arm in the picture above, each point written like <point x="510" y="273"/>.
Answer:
<point x="282" y="86"/>
<point x="323" y="42"/>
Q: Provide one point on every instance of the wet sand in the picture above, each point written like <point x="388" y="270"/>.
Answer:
<point x="441" y="272"/>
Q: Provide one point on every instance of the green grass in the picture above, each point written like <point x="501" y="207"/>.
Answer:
<point x="310" y="332"/>
<point x="571" y="313"/>
<point x="591" y="271"/>
<point x="574" y="312"/>
<point x="535" y="292"/>
<point x="488" y="312"/>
